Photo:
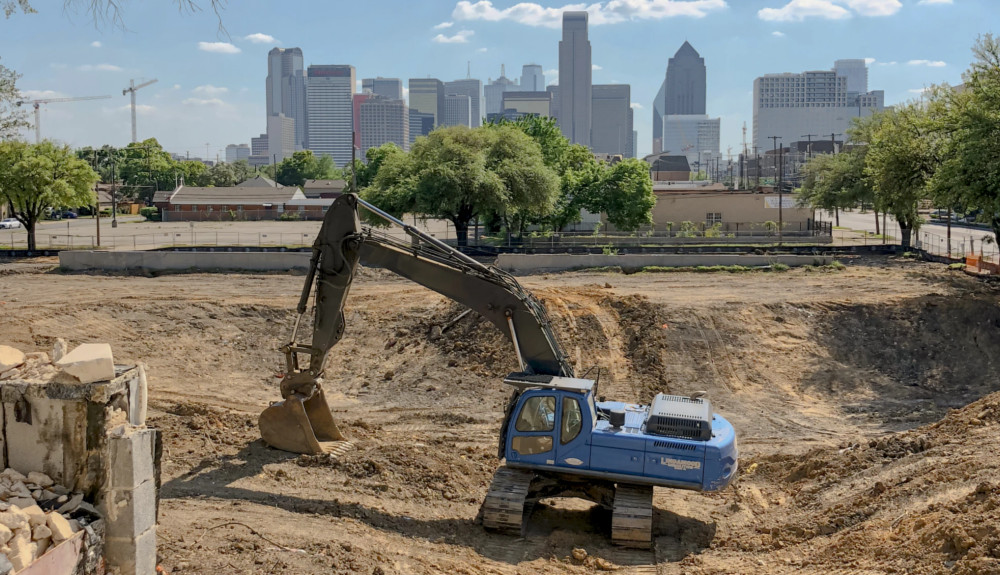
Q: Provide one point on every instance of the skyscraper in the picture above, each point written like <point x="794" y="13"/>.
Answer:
<point x="427" y="97"/>
<point x="280" y="137"/>
<point x="330" y="111"/>
<point x="611" y="127"/>
<point x="532" y="78"/>
<point x="474" y="90"/>
<point x="286" y="89"/>
<point x="856" y="72"/>
<point x="575" y="79"/>
<point x="457" y="110"/>
<point x="384" y="120"/>
<point x="357" y="100"/>
<point x="420" y="125"/>
<point x="693" y="135"/>
<point x="659" y="109"/>
<point x="818" y="102"/>
<point x="494" y="89"/>
<point x="237" y="152"/>
<point x="528" y="103"/>
<point x="685" y="91"/>
<point x="387" y="87"/>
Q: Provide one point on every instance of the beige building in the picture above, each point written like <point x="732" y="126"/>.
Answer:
<point x="708" y="204"/>
<point x="528" y="103"/>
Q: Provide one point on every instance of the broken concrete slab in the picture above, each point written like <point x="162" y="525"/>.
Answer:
<point x="10" y="357"/>
<point x="40" y="479"/>
<point x="35" y="515"/>
<point x="59" y="527"/>
<point x="89" y="363"/>
<point x="59" y="349"/>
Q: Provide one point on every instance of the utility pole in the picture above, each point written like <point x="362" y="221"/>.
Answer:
<point x="810" y="140"/>
<point x="777" y="156"/>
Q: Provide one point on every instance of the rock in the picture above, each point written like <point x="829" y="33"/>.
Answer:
<point x="40" y="479"/>
<point x="10" y="358"/>
<point x="5" y="565"/>
<point x="37" y="356"/>
<point x="14" y="519"/>
<point x="13" y="475"/>
<point x="603" y="564"/>
<point x="21" y="502"/>
<point x="59" y="527"/>
<point x="59" y="349"/>
<point x="10" y="373"/>
<point x="41" y="532"/>
<point x="20" y="553"/>
<point x="579" y="554"/>
<point x="89" y="362"/>
<point x="71" y="505"/>
<point x="5" y="535"/>
<point x="36" y="494"/>
<point x="18" y="489"/>
<point x="35" y="515"/>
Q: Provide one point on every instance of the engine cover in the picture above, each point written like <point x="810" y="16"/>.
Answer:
<point x="679" y="416"/>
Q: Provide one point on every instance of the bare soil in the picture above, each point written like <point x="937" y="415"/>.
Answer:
<point x="865" y="402"/>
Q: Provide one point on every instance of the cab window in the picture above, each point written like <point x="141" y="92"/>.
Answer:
<point x="538" y="414"/>
<point x="572" y="420"/>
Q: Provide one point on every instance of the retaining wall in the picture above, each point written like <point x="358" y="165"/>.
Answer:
<point x="526" y="263"/>
<point x="87" y="260"/>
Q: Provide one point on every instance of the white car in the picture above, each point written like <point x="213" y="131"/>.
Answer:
<point x="9" y="223"/>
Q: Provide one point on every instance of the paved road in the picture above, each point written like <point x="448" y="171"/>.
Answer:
<point x="932" y="236"/>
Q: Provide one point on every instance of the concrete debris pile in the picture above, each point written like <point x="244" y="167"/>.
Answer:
<point x="87" y="363"/>
<point x="36" y="515"/>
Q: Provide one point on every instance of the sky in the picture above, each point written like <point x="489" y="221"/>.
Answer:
<point x="210" y="80"/>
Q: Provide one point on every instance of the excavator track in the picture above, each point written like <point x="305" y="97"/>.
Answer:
<point x="504" y="509"/>
<point x="632" y="518"/>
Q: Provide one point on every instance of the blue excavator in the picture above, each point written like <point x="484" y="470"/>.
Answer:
<point x="557" y="439"/>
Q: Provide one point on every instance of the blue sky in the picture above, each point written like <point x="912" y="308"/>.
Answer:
<point x="211" y="84"/>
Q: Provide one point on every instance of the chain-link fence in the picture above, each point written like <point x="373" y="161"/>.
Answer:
<point x="155" y="240"/>
<point x="982" y="245"/>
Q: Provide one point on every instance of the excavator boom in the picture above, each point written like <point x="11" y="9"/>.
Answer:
<point x="302" y="421"/>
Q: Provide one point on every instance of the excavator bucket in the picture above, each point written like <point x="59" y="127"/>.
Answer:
<point x="301" y="425"/>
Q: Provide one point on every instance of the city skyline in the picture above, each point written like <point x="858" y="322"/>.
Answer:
<point x="219" y="100"/>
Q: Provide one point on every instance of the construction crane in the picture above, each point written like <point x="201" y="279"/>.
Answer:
<point x="37" y="104"/>
<point x="132" y="88"/>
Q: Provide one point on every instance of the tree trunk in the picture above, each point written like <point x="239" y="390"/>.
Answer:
<point x="461" y="232"/>
<point x="905" y="231"/>
<point x="837" y="213"/>
<point x="876" y="223"/>
<point x="30" y="228"/>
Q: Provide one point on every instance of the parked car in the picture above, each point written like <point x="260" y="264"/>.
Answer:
<point x="69" y="215"/>
<point x="9" y="224"/>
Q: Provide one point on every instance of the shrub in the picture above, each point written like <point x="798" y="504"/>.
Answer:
<point x="152" y="214"/>
<point x="289" y="216"/>
<point x="779" y="267"/>
<point x="609" y="250"/>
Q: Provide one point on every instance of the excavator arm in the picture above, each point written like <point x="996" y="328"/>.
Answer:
<point x="302" y="421"/>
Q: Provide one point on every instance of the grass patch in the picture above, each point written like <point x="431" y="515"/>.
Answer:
<point x="956" y="266"/>
<point x="834" y="266"/>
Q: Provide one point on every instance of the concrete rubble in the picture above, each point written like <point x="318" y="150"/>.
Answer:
<point x="80" y="480"/>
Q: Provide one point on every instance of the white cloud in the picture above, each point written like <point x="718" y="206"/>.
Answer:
<point x="444" y="25"/>
<point x="778" y="33"/>
<point x="140" y="109"/>
<point x="869" y="61"/>
<point x="609" y="12"/>
<point x="799" y="10"/>
<point x="203" y="102"/>
<point x="41" y="94"/>
<point x="99" y="68"/>
<point x="460" y="37"/>
<point x="893" y="63"/>
<point x="218" y="47"/>
<point x="636" y="106"/>
<point x="931" y="2"/>
<point x="595" y="67"/>
<point x="260" y="38"/>
<point x="210" y="90"/>
<point x="551" y="72"/>
<point x="95" y="44"/>
<point x="917" y="90"/>
<point x="929" y="63"/>
<point x="177" y="86"/>
<point x="482" y="50"/>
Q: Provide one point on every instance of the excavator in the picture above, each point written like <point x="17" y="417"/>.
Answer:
<point x="558" y="437"/>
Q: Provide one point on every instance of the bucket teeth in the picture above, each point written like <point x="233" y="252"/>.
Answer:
<point x="300" y="425"/>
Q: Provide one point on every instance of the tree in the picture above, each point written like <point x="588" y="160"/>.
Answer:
<point x="304" y="165"/>
<point x="625" y="195"/>
<point x="531" y="185"/>
<point x="227" y="174"/>
<point x="366" y="172"/>
<point x="579" y="178"/>
<point x="969" y="125"/>
<point x="835" y="181"/>
<point x="34" y="177"/>
<point x="12" y="118"/>
<point x="900" y="162"/>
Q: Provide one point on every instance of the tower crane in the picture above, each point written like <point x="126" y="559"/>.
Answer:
<point x="37" y="104"/>
<point x="132" y="88"/>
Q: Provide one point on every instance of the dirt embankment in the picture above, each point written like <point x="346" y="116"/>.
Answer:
<point x="861" y="398"/>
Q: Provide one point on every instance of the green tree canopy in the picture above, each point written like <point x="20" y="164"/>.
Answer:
<point x="304" y="165"/>
<point x="625" y="195"/>
<point x="899" y="163"/>
<point x="969" y="125"/>
<point x="12" y="118"/>
<point x="34" y="177"/>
